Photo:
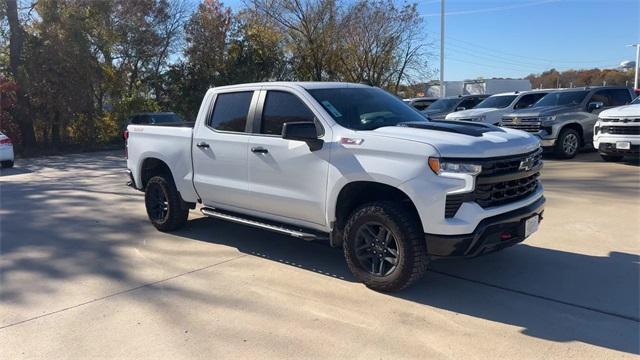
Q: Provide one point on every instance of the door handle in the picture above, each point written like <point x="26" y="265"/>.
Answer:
<point x="202" y="145"/>
<point x="259" y="150"/>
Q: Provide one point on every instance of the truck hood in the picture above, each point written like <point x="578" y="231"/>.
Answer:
<point x="622" y="111"/>
<point x="472" y="113"/>
<point x="467" y="140"/>
<point x="544" y="111"/>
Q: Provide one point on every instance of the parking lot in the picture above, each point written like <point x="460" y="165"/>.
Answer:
<point x="84" y="275"/>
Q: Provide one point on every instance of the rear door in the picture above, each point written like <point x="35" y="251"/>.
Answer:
<point x="288" y="181"/>
<point x="220" y="145"/>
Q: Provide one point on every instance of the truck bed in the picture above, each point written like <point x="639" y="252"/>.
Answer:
<point x="170" y="143"/>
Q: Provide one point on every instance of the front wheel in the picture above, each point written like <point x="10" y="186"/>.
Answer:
<point x="568" y="144"/>
<point x="611" y="158"/>
<point x="165" y="208"/>
<point x="384" y="246"/>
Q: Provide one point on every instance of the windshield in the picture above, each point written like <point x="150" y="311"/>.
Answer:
<point x="444" y="104"/>
<point x="365" y="108"/>
<point x="496" y="102"/>
<point x="562" y="98"/>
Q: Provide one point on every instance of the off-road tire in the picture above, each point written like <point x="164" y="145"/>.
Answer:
<point x="412" y="260"/>
<point x="611" y="158"/>
<point x="177" y="211"/>
<point x="561" y="149"/>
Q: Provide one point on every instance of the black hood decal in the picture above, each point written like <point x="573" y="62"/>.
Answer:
<point x="457" y="127"/>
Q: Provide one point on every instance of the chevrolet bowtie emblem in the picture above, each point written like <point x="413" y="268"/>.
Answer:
<point x="527" y="164"/>
<point x="516" y="120"/>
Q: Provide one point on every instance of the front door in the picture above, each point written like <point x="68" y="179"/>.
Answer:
<point x="286" y="178"/>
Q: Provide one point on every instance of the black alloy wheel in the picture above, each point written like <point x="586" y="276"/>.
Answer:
<point x="376" y="249"/>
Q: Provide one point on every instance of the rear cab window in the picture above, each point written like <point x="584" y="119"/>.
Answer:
<point x="230" y="111"/>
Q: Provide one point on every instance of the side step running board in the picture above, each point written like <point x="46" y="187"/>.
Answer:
<point x="308" y="235"/>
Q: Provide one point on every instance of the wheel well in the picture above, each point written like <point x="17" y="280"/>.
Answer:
<point x="360" y="192"/>
<point x="578" y="128"/>
<point x="153" y="167"/>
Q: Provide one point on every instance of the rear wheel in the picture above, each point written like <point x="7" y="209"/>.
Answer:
<point x="384" y="246"/>
<point x="568" y="144"/>
<point x="165" y="207"/>
<point x="611" y="158"/>
<point x="7" y="164"/>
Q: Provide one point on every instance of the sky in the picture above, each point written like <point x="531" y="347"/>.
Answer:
<point x="514" y="38"/>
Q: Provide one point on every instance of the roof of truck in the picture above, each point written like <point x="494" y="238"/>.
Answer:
<point x="524" y="92"/>
<point x="302" y="84"/>
<point x="587" y="88"/>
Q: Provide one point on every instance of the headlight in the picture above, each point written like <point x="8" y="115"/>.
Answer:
<point x="448" y="167"/>
<point x="547" y="120"/>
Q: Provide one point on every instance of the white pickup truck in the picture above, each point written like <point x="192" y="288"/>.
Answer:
<point x="345" y="162"/>
<point x="617" y="132"/>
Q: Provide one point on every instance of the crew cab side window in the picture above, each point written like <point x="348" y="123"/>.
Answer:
<point x="469" y="103"/>
<point x="528" y="100"/>
<point x="602" y="96"/>
<point x="230" y="111"/>
<point x="282" y="107"/>
<point x="620" y="97"/>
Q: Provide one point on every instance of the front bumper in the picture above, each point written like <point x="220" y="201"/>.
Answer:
<point x="547" y="142"/>
<point x="606" y="144"/>
<point x="487" y="236"/>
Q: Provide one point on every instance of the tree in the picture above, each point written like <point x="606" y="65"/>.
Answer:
<point x="310" y="28"/>
<point x="587" y="77"/>
<point x="16" y="44"/>
<point x="381" y="44"/>
<point x="256" y="51"/>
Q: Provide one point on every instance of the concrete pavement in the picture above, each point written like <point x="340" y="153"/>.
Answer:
<point x="84" y="275"/>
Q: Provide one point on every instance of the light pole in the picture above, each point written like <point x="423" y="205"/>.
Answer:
<point x="635" y="82"/>
<point x="442" y="49"/>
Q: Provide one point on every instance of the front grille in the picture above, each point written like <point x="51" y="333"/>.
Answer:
<point x="622" y="120"/>
<point x="504" y="192"/>
<point x="502" y="181"/>
<point x="525" y="124"/>
<point x="507" y="165"/>
<point x="620" y="130"/>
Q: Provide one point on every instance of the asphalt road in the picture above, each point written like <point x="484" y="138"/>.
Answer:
<point x="84" y="275"/>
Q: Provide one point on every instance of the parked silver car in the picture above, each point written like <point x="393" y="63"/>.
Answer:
<point x="564" y="119"/>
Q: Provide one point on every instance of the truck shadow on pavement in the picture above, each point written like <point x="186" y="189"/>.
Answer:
<point x="77" y="220"/>
<point x="553" y="295"/>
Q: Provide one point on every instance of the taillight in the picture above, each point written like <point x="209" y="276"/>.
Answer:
<point x="5" y="141"/>
<point x="125" y="135"/>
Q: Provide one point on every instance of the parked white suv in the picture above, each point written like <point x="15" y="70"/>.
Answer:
<point x="617" y="132"/>
<point x="345" y="162"/>
<point x="491" y="109"/>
